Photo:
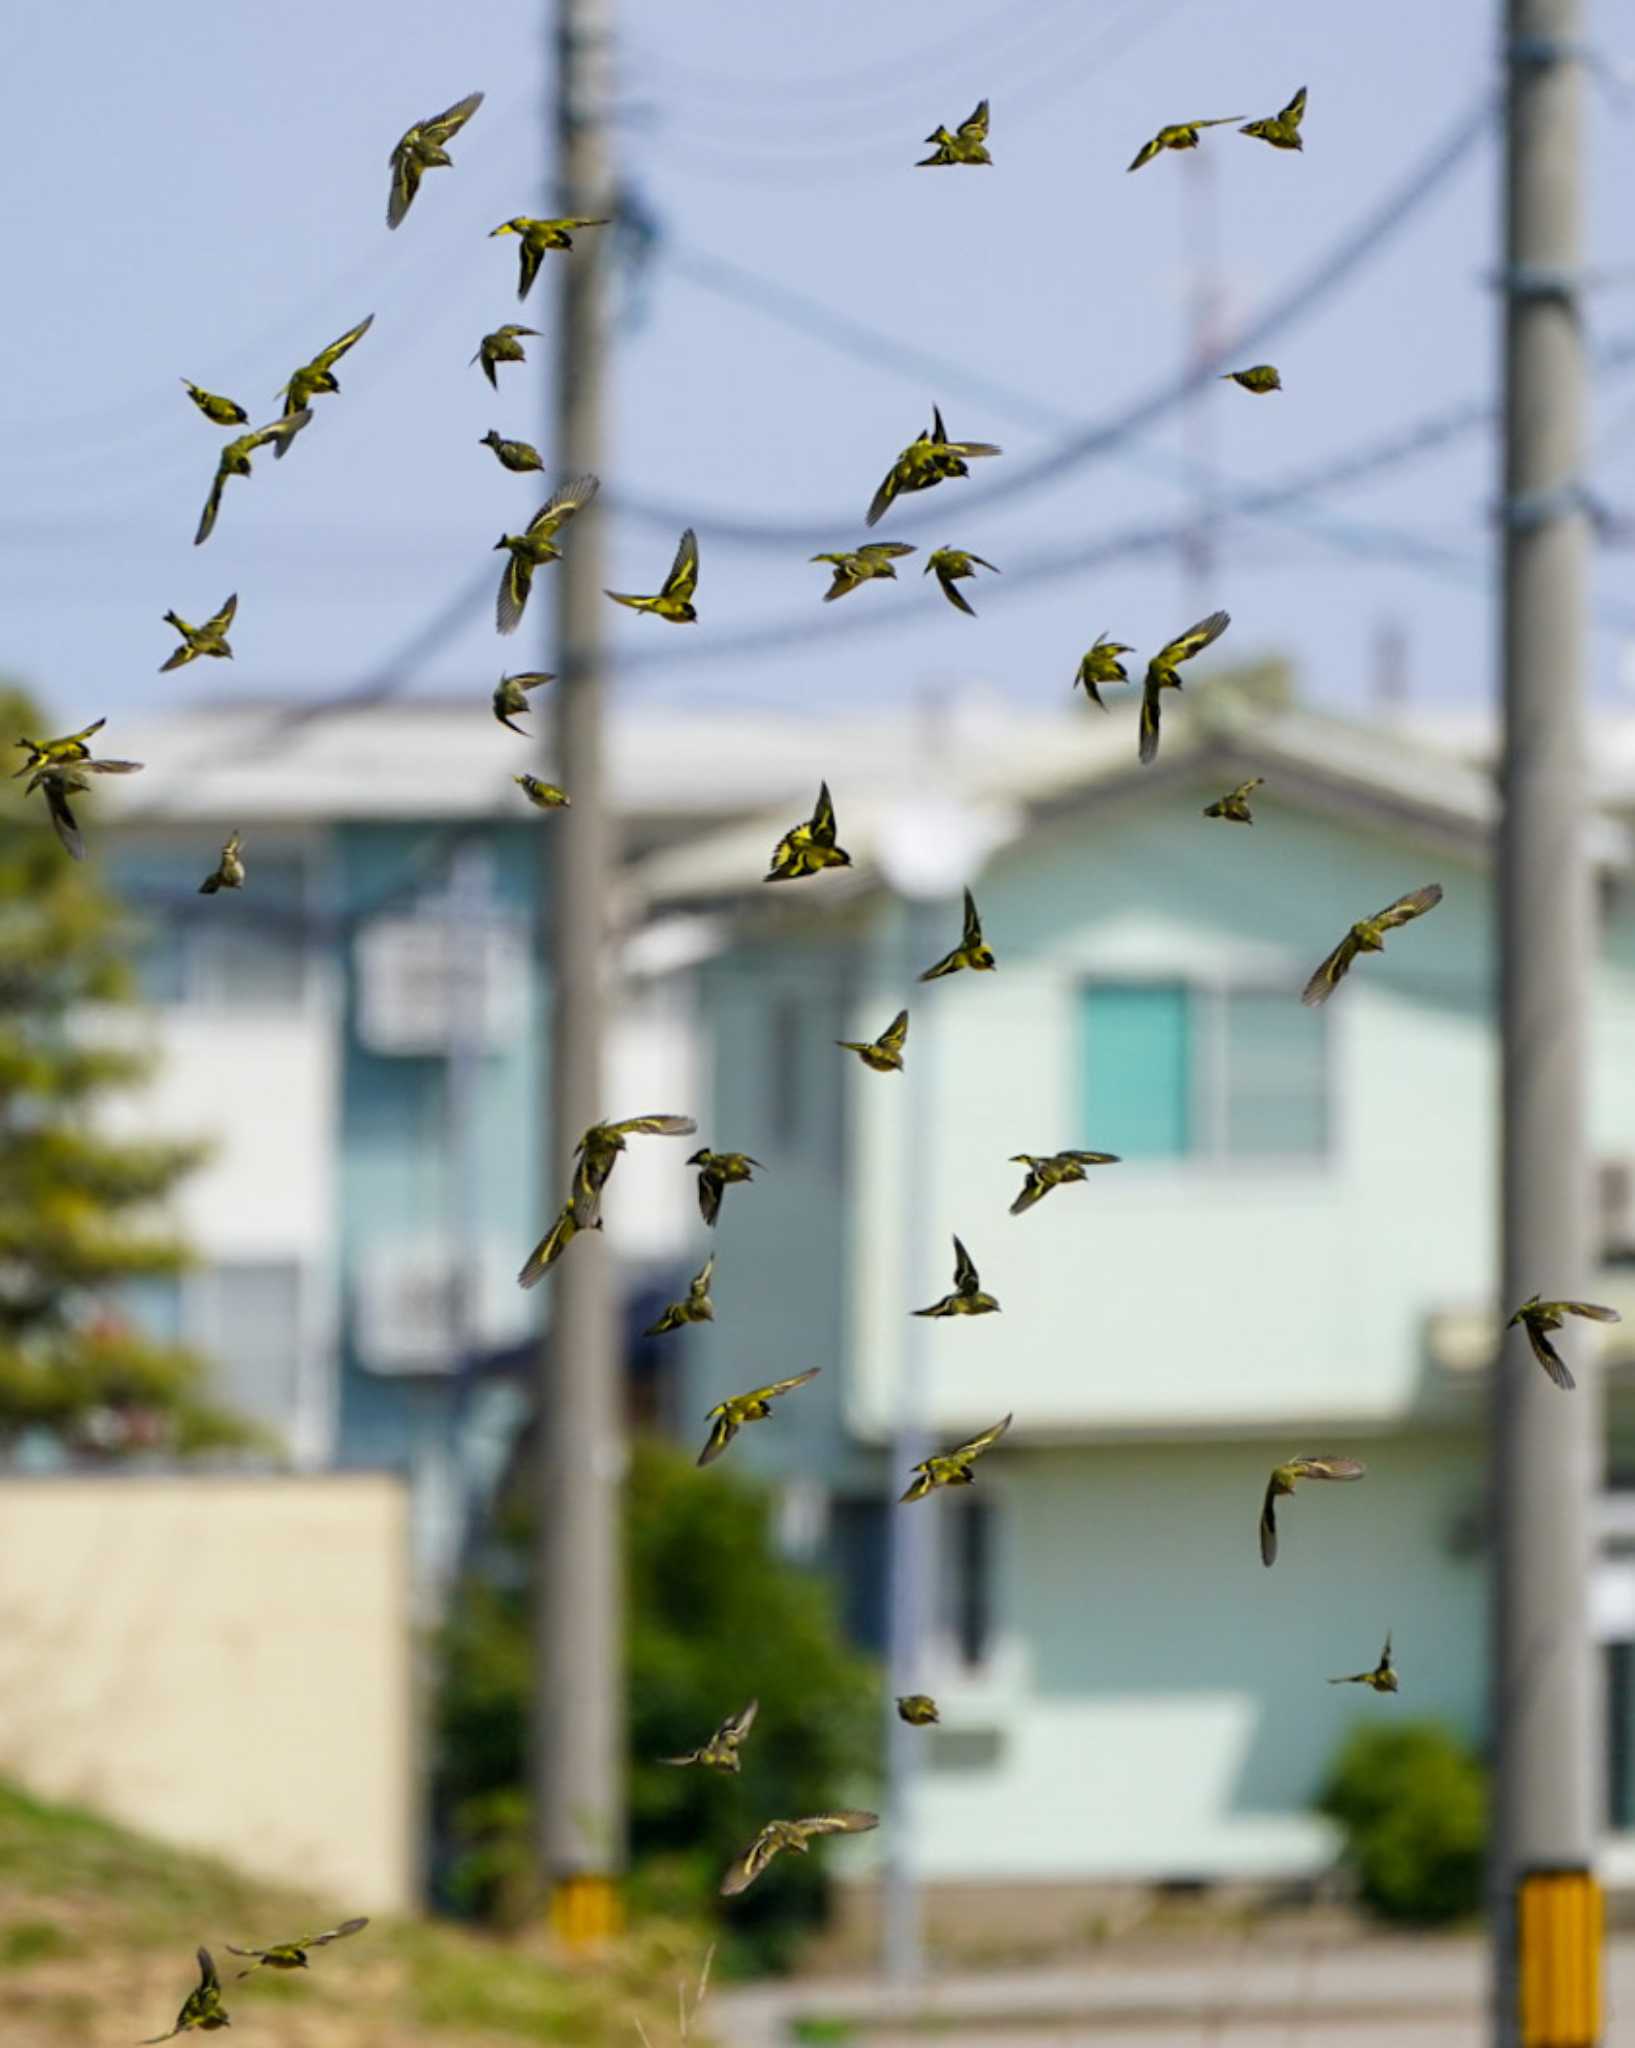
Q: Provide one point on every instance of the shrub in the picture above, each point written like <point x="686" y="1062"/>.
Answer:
<point x="1411" y="1802"/>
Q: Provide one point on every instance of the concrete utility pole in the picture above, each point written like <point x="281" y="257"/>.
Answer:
<point x="1546" y="1443"/>
<point x="578" y="1678"/>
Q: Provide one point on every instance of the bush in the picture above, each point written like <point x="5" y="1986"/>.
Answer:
<point x="1411" y="1802"/>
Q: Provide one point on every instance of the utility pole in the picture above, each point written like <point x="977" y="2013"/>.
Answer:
<point x="1546" y="1443"/>
<point x="578" y="1719"/>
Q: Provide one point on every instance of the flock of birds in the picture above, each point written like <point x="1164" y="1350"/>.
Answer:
<point x="62" y="768"/>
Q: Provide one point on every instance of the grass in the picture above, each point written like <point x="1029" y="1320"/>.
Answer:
<point x="98" y="1928"/>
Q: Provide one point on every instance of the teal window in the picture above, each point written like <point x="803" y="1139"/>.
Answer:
<point x="1138" y="1069"/>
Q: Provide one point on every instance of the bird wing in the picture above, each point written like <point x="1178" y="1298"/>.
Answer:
<point x="1292" y="115"/>
<point x="1548" y="1356"/>
<point x="530" y="255"/>
<point x="966" y="1279"/>
<point x="974" y="128"/>
<point x="562" y="504"/>
<point x="405" y="184"/>
<point x="1245" y="790"/>
<point x="1194" y="640"/>
<point x="1329" y="1468"/>
<point x="1406" y="908"/>
<point x="749" y="1866"/>
<point x="1330" y="973"/>
<point x="919" y="1486"/>
<point x="516" y="580"/>
<point x="722" y="1431"/>
<point x="895" y="1034"/>
<point x="950" y="590"/>
<point x="885" y="550"/>
<point x="889" y="487"/>
<point x="452" y="119"/>
<point x="699" y="1285"/>
<point x="785" y="1386"/>
<point x="848" y="1821"/>
<point x="1146" y="153"/>
<point x="985" y="1441"/>
<point x="1594" y="1310"/>
<point x="1092" y="1158"/>
<point x="224" y="618"/>
<point x="1268" y="1524"/>
<point x="652" y="1126"/>
<point x="738" y="1725"/>
<point x="208" y="1980"/>
<point x="62" y="817"/>
<point x="550" y="1248"/>
<point x="327" y="358"/>
<point x="207" y="526"/>
<point x="682" y="580"/>
<point x="334" y="1934"/>
<point x="709" y="1195"/>
<point x="946" y="965"/>
<point x="1033" y="1190"/>
<point x="972" y="934"/>
<point x="1151" y="718"/>
<point x="263" y="1953"/>
<point x="823" y="818"/>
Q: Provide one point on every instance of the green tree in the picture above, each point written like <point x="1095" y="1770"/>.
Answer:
<point x="1411" y="1802"/>
<point x="79" y="1208"/>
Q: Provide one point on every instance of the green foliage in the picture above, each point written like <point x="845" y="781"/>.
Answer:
<point x="1412" y="1804"/>
<point x="715" y="1618"/>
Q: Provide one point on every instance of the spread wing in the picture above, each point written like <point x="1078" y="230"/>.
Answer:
<point x="549" y="1249"/>
<point x="750" y="1865"/>
<point x="846" y="1822"/>
<point x="1593" y="1310"/>
<point x="1146" y="153"/>
<point x="895" y="1034"/>
<point x="1033" y="1190"/>
<point x="1330" y="973"/>
<point x="1194" y="640"/>
<point x="516" y="580"/>
<point x="208" y="1980"/>
<point x="985" y="1441"/>
<point x="1268" y="1524"/>
<point x="722" y="1431"/>
<point x="739" y="1725"/>
<point x="966" y="1278"/>
<point x="1151" y="716"/>
<point x="889" y="487"/>
<point x="563" y="503"/>
<point x="972" y="935"/>
<point x="654" y="1126"/>
<point x="530" y="255"/>
<point x="452" y="120"/>
<point x="682" y="580"/>
<point x="327" y="358"/>
<point x="823" y="818"/>
<point x="974" y="128"/>
<point x="1292" y="115"/>
<point x="335" y="1933"/>
<point x="885" y="550"/>
<point x="1548" y="1356"/>
<point x="1408" y="907"/>
<point x="950" y="590"/>
<point x="405" y="184"/>
<point x="1092" y="1158"/>
<point x="1330" y="1468"/>
<point x="62" y="817"/>
<point x="207" y="526"/>
<point x="786" y="1386"/>
<point x="224" y="618"/>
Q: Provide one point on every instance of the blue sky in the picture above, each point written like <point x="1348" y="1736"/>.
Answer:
<point x="207" y="199"/>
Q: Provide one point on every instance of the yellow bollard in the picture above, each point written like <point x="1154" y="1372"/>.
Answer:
<point x="585" y="1913"/>
<point x="1560" y="1917"/>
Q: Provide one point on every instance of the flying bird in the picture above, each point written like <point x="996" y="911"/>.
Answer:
<point x="57" y="753"/>
<point x="598" y="1152"/>
<point x="717" y="1171"/>
<point x="536" y="237"/>
<point x="517" y="456"/>
<point x="535" y="546"/>
<point x="1053" y="1170"/>
<point x="970" y="952"/>
<point x="884" y="1055"/>
<point x="422" y="148"/>
<point x="544" y="796"/>
<point x="1102" y="665"/>
<point x="675" y="601"/>
<point x="1161" y="675"/>
<point x="778" y="1835"/>
<point x="953" y="1468"/>
<point x="318" y="376"/>
<point x="235" y="461"/>
<point x="59" y="768"/>
<point x="1234" y="806"/>
<point x="229" y="870"/>
<point x="292" y="1955"/>
<point x="1282" y="129"/>
<point x="727" y="1417"/>
<point x="967" y="145"/>
<point x="1259" y="378"/>
<point x="220" y="412"/>
<point x="210" y="638"/>
<point x="1539" y="1318"/>
<point x="967" y="1298"/>
<point x="856" y="566"/>
<point x="504" y="345"/>
<point x="201" y="2008"/>
<point x="1283" y="1481"/>
<point x="696" y="1308"/>
<point x="1179" y="135"/>
<point x="1367" y="935"/>
<point x="1383" y="1677"/>
<point x="809" y="847"/>
<point x="950" y="565"/>
<point x="720" y="1753"/>
<point x="930" y="458"/>
<point x="510" y="697"/>
<point x="551" y="1246"/>
<point x="918" y="1709"/>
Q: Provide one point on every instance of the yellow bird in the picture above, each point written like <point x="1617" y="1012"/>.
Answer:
<point x="1383" y="1677"/>
<point x="292" y="1955"/>
<point x="930" y="458"/>
<point x="718" y="1171"/>
<point x="1367" y="935"/>
<point x="235" y="461"/>
<point x="1234" y="806"/>
<point x="856" y="566"/>
<point x="779" y="1835"/>
<point x="552" y="1245"/>
<point x="537" y="236"/>
<point x="968" y="144"/>
<point x="696" y="1308"/>
<point x="970" y="952"/>
<point x="517" y="456"/>
<point x="510" y="698"/>
<point x="60" y="768"/>
<point x="675" y="601"/>
<point x="1539" y="1318"/>
<point x="318" y="376"/>
<point x="504" y="345"/>
<point x="952" y="1468"/>
<point x="1282" y="129"/>
<point x="535" y="546"/>
<point x="720" y="1753"/>
<point x="229" y="870"/>
<point x="422" y="148"/>
<point x="1102" y="665"/>
<point x="950" y="565"/>
<point x="201" y="2008"/>
<point x="727" y="1417"/>
<point x="604" y="1144"/>
<point x="210" y="638"/>
<point x="1259" y="378"/>
<point x="967" y="1298"/>
<point x="884" y="1055"/>
<point x="1179" y="135"/>
<point x="544" y="796"/>
<point x="809" y="847"/>
<point x="220" y="412"/>
<point x="918" y="1709"/>
<point x="1053" y="1170"/>
<point x="1283" y="1481"/>
<point x="1161" y="675"/>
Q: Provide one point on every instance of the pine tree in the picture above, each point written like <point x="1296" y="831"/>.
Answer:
<point x="80" y="1210"/>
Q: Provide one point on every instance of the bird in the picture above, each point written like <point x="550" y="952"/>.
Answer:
<point x="967" y="1298"/>
<point x="502" y="346"/>
<point x="778" y="1835"/>
<point x="675" y="601"/>
<point x="1283" y="1481"/>
<point x="930" y="458"/>
<point x="422" y="148"/>
<point x="717" y="1171"/>
<point x="967" y="145"/>
<point x="1053" y="1170"/>
<point x="517" y="456"/>
<point x="511" y="696"/>
<point x="970" y="952"/>
<point x="551" y="1246"/>
<point x="809" y="847"/>
<point x="1102" y="665"/>
<point x="1539" y="1318"/>
<point x="720" y="1753"/>
<point x="59" y="769"/>
<point x="292" y="1955"/>
<point x="1259" y="378"/>
<point x="727" y="1417"/>
<point x="235" y="461"/>
<point x="1367" y="935"/>
<point x="1383" y="1677"/>
<point x="918" y="1709"/>
<point x="1179" y="135"/>
<point x="220" y="412"/>
<point x="536" y="237"/>
<point x="696" y="1308"/>
<point x="229" y="872"/>
<point x="210" y="638"/>
<point x="856" y="566"/>
<point x="318" y="376"/>
<point x="1282" y="129"/>
<point x="1234" y="806"/>
<point x="885" y="1054"/>
<point x="72" y="747"/>
<point x="544" y="796"/>
<point x="951" y="564"/>
<point x="597" y="1153"/>
<point x="1161" y="675"/>
<point x="535" y="546"/>
<point x="202" y="2006"/>
<point x="952" y="1468"/>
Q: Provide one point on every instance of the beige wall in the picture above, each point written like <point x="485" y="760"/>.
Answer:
<point x="225" y="1663"/>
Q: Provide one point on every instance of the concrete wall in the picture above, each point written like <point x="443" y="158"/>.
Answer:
<point x="223" y="1663"/>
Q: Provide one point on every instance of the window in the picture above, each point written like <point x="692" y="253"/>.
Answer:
<point x="1177" y="1070"/>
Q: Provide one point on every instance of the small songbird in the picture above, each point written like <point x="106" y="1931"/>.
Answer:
<point x="790" y="1834"/>
<point x="201" y="2008"/>
<point x="58" y="753"/>
<point x="1161" y="675"/>
<point x="544" y="796"/>
<point x="210" y="638"/>
<point x="598" y="1152"/>
<point x="510" y="697"/>
<point x="318" y="376"/>
<point x="1282" y="129"/>
<point x="1179" y="135"/>
<point x="551" y="1246"/>
<point x="517" y="456"/>
<point x="861" y="565"/>
<point x="1234" y="806"/>
<point x="970" y="952"/>
<point x="675" y="601"/>
<point x="967" y="1298"/>
<point x="953" y="1468"/>
<point x="1283" y="1481"/>
<point x="1102" y="665"/>
<point x="720" y="1753"/>
<point x="918" y="1709"/>
<point x="535" y="546"/>
<point x="930" y="458"/>
<point x="717" y="1171"/>
<point x="536" y="237"/>
<point x="727" y="1417"/>
<point x="292" y="1955"/>
<point x="696" y="1308"/>
<point x="885" y="1054"/>
<point x="1383" y="1677"/>
<point x="1367" y="935"/>
<point x="220" y="412"/>
<point x="967" y="145"/>
<point x="1259" y="378"/>
<point x="1539" y="1318"/>
<point x="1053" y="1170"/>
<point x="60" y="768"/>
<point x="421" y="149"/>
<point x="229" y="873"/>
<point x="951" y="564"/>
<point x="235" y="461"/>
<point x="502" y="346"/>
<point x="809" y="847"/>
